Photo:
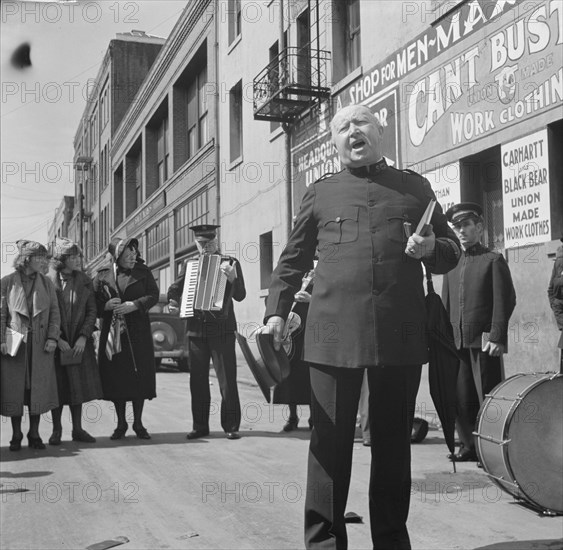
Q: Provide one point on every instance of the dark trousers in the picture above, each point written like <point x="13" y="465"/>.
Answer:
<point x="335" y="397"/>
<point x="467" y="399"/>
<point x="220" y="349"/>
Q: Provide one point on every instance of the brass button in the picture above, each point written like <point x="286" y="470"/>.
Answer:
<point x="337" y="219"/>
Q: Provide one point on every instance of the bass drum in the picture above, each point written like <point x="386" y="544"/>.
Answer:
<point x="519" y="439"/>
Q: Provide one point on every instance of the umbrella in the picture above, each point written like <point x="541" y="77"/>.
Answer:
<point x="443" y="362"/>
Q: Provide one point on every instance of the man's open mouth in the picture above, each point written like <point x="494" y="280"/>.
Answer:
<point x="358" y="144"/>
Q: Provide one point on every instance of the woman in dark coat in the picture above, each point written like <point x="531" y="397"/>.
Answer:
<point x="125" y="291"/>
<point x="78" y="382"/>
<point x="27" y="375"/>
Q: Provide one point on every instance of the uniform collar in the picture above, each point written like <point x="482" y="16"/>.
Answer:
<point x="370" y="170"/>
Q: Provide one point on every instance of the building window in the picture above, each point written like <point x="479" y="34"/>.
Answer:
<point x="197" y="113"/>
<point x="158" y="242"/>
<point x="266" y="259"/>
<point x="346" y="45"/>
<point x="134" y="177"/>
<point x="163" y="278"/>
<point x="304" y="49"/>
<point x="104" y="106"/>
<point x="193" y="212"/>
<point x="102" y="168"/>
<point x="157" y="157"/>
<point x="94" y="127"/>
<point x="353" y="51"/>
<point x="162" y="152"/>
<point x="274" y="75"/>
<point x="118" y="196"/>
<point x="138" y="182"/>
<point x="189" y="106"/>
<point x="235" y="19"/>
<point x="235" y="119"/>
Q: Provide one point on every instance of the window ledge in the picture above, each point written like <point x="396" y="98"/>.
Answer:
<point x="235" y="163"/>
<point x="346" y="80"/>
<point x="276" y="134"/>
<point x="234" y="44"/>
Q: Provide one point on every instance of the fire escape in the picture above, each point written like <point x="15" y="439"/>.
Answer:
<point x="293" y="81"/>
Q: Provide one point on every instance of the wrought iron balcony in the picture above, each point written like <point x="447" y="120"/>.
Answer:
<point x="290" y="83"/>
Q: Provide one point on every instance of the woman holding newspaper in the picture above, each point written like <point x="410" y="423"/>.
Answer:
<point x="29" y="331"/>
<point x="125" y="291"/>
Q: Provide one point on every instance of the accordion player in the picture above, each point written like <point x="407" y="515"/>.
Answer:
<point x="206" y="287"/>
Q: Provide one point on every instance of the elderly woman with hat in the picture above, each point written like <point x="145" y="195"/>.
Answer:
<point x="78" y="377"/>
<point x="29" y="331"/>
<point x="125" y="291"/>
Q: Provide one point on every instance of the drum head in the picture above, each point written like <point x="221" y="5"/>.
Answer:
<point x="535" y="451"/>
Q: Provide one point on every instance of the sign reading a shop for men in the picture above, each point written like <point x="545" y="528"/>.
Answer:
<point x="504" y="74"/>
<point x="525" y="191"/>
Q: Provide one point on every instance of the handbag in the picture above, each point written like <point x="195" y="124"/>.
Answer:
<point x="68" y="358"/>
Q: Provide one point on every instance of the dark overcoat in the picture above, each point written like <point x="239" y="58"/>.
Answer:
<point x="78" y="383"/>
<point x="555" y="291"/>
<point x="44" y="325"/>
<point x="479" y="297"/>
<point x="130" y="374"/>
<point x="368" y="304"/>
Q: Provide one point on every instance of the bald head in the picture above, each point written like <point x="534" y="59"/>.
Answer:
<point x="345" y="111"/>
<point x="357" y="134"/>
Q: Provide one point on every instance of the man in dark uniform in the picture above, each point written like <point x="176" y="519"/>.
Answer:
<point x="555" y="295"/>
<point x="367" y="311"/>
<point x="479" y="297"/>
<point x="211" y="335"/>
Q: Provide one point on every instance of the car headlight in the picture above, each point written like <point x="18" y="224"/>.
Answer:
<point x="163" y="336"/>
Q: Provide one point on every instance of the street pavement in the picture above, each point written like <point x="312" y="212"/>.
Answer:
<point x="214" y="493"/>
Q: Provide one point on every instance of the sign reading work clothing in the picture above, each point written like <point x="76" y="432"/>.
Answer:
<point x="525" y="190"/>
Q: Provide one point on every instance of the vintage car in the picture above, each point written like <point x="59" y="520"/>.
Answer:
<point x="168" y="335"/>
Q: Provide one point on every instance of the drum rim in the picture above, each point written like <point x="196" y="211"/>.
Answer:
<point x="520" y="493"/>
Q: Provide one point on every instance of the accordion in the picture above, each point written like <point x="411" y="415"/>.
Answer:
<point x="205" y="286"/>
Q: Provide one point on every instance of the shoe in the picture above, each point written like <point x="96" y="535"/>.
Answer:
<point x="367" y="443"/>
<point x="16" y="443"/>
<point x="55" y="438"/>
<point x="291" y="425"/>
<point x="83" y="436"/>
<point x="141" y="432"/>
<point x="119" y="432"/>
<point x="35" y="442"/>
<point x="196" y="434"/>
<point x="464" y="455"/>
<point x="233" y="435"/>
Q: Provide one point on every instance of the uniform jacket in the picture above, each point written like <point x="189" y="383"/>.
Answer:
<point x="205" y="324"/>
<point x="368" y="304"/>
<point x="83" y="317"/>
<point x="479" y="297"/>
<point x="555" y="291"/>
<point x="44" y="325"/>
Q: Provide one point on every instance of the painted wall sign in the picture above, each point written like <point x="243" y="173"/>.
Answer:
<point x="505" y="75"/>
<point x="446" y="184"/>
<point x="525" y="190"/>
<point x="454" y="28"/>
<point x="145" y="213"/>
